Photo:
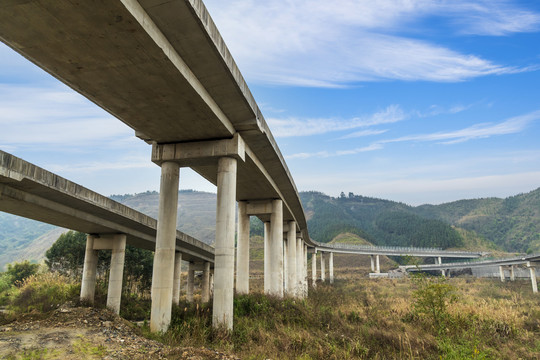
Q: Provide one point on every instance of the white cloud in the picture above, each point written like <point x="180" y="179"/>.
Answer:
<point x="323" y="44"/>
<point x="289" y="127"/>
<point x="510" y="126"/>
<point x="326" y="154"/>
<point x="54" y="116"/>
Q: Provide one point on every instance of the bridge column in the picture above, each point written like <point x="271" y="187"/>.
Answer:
<point x="88" y="284"/>
<point x="299" y="267"/>
<point x="512" y="274"/>
<point x="501" y="272"/>
<point x="305" y="271"/>
<point x="242" y="251"/>
<point x="372" y="263"/>
<point x="314" y="269"/>
<point x="224" y="246"/>
<point x="177" y="277"/>
<point x="439" y="261"/>
<point x="532" y="271"/>
<point x="292" y="272"/>
<point x="378" y="269"/>
<point x="205" y="291"/>
<point x="276" y="249"/>
<point x="190" y="282"/>
<point x="331" y="267"/>
<point x="267" y="237"/>
<point x="114" y="293"/>
<point x="285" y="269"/>
<point x="323" y="270"/>
<point x="163" y="271"/>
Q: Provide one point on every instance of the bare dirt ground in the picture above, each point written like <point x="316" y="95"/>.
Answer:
<point x="87" y="333"/>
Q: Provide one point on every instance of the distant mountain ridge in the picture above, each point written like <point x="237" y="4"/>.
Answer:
<point x="511" y="224"/>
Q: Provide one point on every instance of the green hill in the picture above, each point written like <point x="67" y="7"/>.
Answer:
<point x="511" y="224"/>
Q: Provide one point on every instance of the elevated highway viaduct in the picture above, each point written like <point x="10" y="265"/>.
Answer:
<point x="32" y="192"/>
<point x="162" y="68"/>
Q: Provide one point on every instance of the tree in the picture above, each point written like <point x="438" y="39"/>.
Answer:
<point x="20" y="271"/>
<point x="66" y="255"/>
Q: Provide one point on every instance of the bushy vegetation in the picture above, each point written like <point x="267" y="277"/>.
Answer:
<point x="426" y="318"/>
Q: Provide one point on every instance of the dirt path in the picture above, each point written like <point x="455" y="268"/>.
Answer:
<point x="87" y="333"/>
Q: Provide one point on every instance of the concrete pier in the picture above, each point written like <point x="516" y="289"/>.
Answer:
<point x="276" y="249"/>
<point x="532" y="270"/>
<point x="94" y="243"/>
<point x="205" y="289"/>
<point x="116" y="273"/>
<point x="305" y="277"/>
<point x="314" y="269"/>
<point x="439" y="261"/>
<point x="163" y="271"/>
<point x="323" y="270"/>
<point x="331" y="267"/>
<point x="372" y="263"/>
<point x="299" y="267"/>
<point x="501" y="273"/>
<point x="190" y="285"/>
<point x="177" y="277"/>
<point x="378" y="264"/>
<point x="242" y="250"/>
<point x="267" y="237"/>
<point x="292" y="272"/>
<point x="88" y="284"/>
<point x="512" y="273"/>
<point x="225" y="229"/>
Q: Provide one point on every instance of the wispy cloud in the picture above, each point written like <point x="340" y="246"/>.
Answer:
<point x="511" y="126"/>
<point x="316" y="43"/>
<point x="289" y="127"/>
<point x="327" y="154"/>
<point x="56" y="116"/>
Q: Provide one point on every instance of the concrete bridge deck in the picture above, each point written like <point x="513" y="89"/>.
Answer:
<point x="397" y="251"/>
<point x="30" y="191"/>
<point x="518" y="260"/>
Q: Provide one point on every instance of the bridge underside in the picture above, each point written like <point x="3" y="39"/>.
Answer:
<point x="162" y="68"/>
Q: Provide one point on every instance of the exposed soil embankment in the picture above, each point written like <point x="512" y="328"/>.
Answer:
<point x="86" y="333"/>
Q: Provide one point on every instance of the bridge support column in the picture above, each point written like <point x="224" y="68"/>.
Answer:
<point x="177" y="277"/>
<point x="314" y="269"/>
<point x="190" y="282"/>
<point x="512" y="273"/>
<point x="242" y="251"/>
<point x="88" y="284"/>
<point x="292" y="272"/>
<point x="372" y="263"/>
<point x="439" y="261"/>
<point x="501" y="272"/>
<point x="378" y="269"/>
<point x="276" y="249"/>
<point x="205" y="291"/>
<point x="305" y="276"/>
<point x="285" y="264"/>
<point x="163" y="271"/>
<point x="331" y="267"/>
<point x="532" y="270"/>
<point x="224" y="248"/>
<point x="114" y="293"/>
<point x="323" y="270"/>
<point x="267" y="237"/>
<point x="299" y="267"/>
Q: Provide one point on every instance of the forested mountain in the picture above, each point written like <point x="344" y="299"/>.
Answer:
<point x="512" y="224"/>
<point x="381" y="222"/>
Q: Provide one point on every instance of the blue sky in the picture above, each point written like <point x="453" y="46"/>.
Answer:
<point x="415" y="101"/>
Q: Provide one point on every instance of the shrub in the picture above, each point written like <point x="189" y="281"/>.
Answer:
<point x="20" y="271"/>
<point x="44" y="292"/>
<point x="431" y="299"/>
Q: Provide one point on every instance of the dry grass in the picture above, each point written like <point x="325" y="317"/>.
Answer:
<point x="358" y="318"/>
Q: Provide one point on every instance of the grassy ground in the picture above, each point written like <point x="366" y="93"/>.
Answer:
<point x="358" y="318"/>
<point x="355" y="318"/>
